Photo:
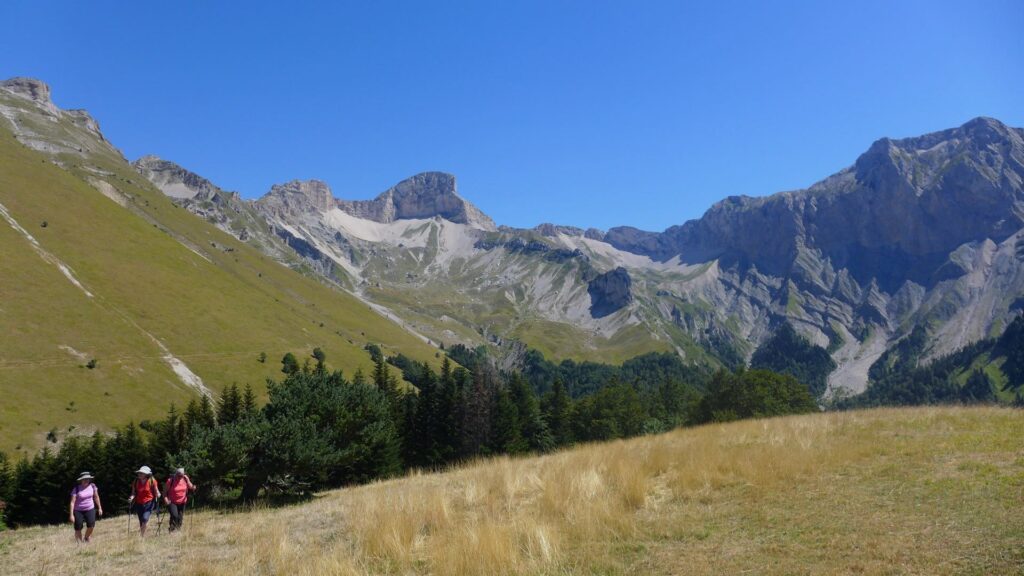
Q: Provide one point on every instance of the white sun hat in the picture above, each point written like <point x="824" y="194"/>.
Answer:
<point x="145" y="470"/>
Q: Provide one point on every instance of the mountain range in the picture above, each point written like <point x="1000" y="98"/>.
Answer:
<point x="918" y="233"/>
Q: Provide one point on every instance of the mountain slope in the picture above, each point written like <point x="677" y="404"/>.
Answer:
<point x="167" y="304"/>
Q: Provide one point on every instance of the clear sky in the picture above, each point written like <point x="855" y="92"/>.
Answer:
<point x="588" y="113"/>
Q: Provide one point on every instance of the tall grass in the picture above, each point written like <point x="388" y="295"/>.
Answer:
<point x="781" y="495"/>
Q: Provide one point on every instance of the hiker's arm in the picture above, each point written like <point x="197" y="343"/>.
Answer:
<point x="191" y="486"/>
<point x="96" y="499"/>
<point x="132" y="497"/>
<point x="71" y="508"/>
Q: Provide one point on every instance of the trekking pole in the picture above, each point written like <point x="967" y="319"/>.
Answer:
<point x="192" y="510"/>
<point x="129" y="516"/>
<point x="159" y="516"/>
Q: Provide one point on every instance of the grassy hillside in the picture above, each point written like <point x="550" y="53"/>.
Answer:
<point x="909" y="491"/>
<point x="162" y="283"/>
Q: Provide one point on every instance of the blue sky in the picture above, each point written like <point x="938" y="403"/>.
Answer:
<point x="587" y="113"/>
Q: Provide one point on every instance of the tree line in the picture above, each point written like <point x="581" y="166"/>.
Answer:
<point x="319" y="429"/>
<point x="900" y="378"/>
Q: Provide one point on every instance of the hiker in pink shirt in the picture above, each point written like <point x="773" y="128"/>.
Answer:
<point x="85" y="506"/>
<point x="176" y="491"/>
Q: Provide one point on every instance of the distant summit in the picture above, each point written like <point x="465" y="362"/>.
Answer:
<point x="425" y="195"/>
<point x="31" y="89"/>
<point x="173" y="180"/>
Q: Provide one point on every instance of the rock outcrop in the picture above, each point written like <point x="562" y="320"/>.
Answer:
<point x="173" y="180"/>
<point x="426" y="195"/>
<point x="62" y="132"/>
<point x="31" y="89"/>
<point x="297" y="198"/>
<point x="610" y="292"/>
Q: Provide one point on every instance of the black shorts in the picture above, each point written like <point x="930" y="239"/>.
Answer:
<point x="85" y="517"/>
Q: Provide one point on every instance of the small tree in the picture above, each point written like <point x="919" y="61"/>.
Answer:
<point x="91" y="364"/>
<point x="320" y="357"/>
<point x="262" y="358"/>
<point x="289" y="364"/>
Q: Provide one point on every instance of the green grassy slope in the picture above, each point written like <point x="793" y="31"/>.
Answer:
<point x="214" y="312"/>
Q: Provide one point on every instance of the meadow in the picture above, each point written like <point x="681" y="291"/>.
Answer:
<point x="886" y="491"/>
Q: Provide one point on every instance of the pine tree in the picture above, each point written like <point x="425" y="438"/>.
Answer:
<point x="556" y="406"/>
<point x="229" y="406"/>
<point x="207" y="417"/>
<point x="426" y="449"/>
<point x="248" y="401"/>
<point x="359" y="379"/>
<point x="447" y="420"/>
<point x="166" y="441"/>
<point x="387" y="384"/>
<point x="476" y="420"/>
<point x="506" y="433"/>
<point x="533" y="428"/>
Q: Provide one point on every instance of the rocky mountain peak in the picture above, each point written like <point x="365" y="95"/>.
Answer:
<point x="31" y="89"/>
<point x="173" y="180"/>
<point x="299" y="197"/>
<point x="35" y="90"/>
<point x="425" y="195"/>
<point x="985" y="130"/>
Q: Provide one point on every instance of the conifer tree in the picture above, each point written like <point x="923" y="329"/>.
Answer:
<point x="506" y="433"/>
<point x="229" y="406"/>
<point x="556" y="406"/>
<point x="477" y="412"/>
<point x="248" y="401"/>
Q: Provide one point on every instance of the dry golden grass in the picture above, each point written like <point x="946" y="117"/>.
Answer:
<point x="913" y="491"/>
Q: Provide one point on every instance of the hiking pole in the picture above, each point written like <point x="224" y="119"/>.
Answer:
<point x="129" y="516"/>
<point x="159" y="517"/>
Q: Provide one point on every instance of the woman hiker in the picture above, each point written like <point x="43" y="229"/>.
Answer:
<point x="176" y="491"/>
<point x="85" y="506"/>
<point x="145" y="497"/>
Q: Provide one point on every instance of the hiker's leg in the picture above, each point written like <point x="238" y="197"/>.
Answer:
<point x="79" y="523"/>
<point x="181" y="513"/>
<point x="90" y="523"/>
<point x="172" y="509"/>
<point x="144" y="512"/>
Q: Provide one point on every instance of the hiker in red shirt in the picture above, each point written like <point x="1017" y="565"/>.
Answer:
<point x="145" y="497"/>
<point x="176" y="491"/>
